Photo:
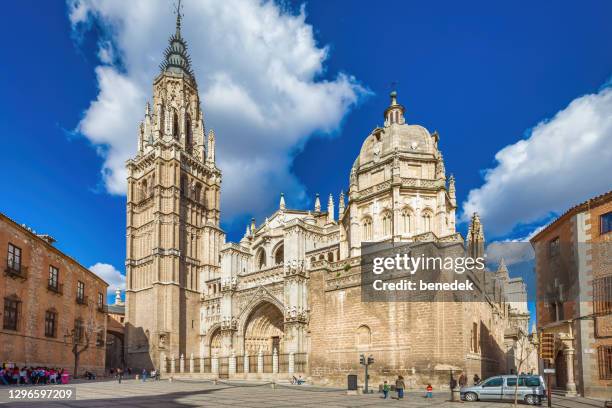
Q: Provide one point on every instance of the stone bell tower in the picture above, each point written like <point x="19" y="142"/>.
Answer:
<point x="173" y="233"/>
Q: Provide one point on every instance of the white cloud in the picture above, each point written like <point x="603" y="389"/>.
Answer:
<point x="112" y="276"/>
<point x="258" y="70"/>
<point x="564" y="161"/>
<point x="512" y="251"/>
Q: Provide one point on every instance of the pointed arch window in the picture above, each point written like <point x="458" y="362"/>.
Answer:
<point x="279" y="255"/>
<point x="406" y="221"/>
<point x="162" y="119"/>
<point x="175" y="124"/>
<point x="427" y="216"/>
<point x="366" y="229"/>
<point x="188" y="131"/>
<point x="261" y="258"/>
<point x="386" y="223"/>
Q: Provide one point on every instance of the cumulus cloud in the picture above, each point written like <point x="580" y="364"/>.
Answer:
<point x="112" y="276"/>
<point x="564" y="161"/>
<point x="512" y="251"/>
<point x="259" y="72"/>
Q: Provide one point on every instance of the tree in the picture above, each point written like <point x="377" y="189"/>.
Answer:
<point x="523" y="348"/>
<point x="82" y="332"/>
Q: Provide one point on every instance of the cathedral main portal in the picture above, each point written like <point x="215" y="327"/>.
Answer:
<point x="264" y="330"/>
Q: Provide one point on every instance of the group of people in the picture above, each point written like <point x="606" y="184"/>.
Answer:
<point x="400" y="386"/>
<point x="119" y="374"/>
<point x="30" y="375"/>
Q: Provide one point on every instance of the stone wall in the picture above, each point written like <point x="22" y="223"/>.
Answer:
<point x="28" y="345"/>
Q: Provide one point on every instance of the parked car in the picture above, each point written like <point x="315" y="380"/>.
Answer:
<point x="531" y="389"/>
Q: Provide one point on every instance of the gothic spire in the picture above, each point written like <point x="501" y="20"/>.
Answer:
<point x="176" y="58"/>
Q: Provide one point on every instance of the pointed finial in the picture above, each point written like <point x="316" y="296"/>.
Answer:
<point x="147" y="109"/>
<point x="317" y="206"/>
<point x="178" y="19"/>
<point x="248" y="231"/>
<point x="330" y="209"/>
<point x="282" y="202"/>
<point x="253" y="226"/>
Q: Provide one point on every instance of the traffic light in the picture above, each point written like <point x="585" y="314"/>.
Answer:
<point x="362" y="359"/>
<point x="370" y="360"/>
<point x="547" y="346"/>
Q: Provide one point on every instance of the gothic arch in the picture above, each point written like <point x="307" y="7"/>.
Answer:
<point x="260" y="258"/>
<point x="175" y="124"/>
<point x="386" y="219"/>
<point x="366" y="228"/>
<point x="188" y="131"/>
<point x="279" y="253"/>
<point x="427" y="218"/>
<point x="363" y="337"/>
<point x="407" y="220"/>
<point x="263" y="328"/>
<point x="214" y="344"/>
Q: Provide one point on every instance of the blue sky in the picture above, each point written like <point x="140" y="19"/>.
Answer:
<point x="482" y="73"/>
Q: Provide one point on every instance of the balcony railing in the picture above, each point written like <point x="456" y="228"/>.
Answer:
<point x="81" y="300"/>
<point x="16" y="270"/>
<point x="57" y="288"/>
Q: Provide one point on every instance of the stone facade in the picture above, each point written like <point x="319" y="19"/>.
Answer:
<point x="574" y="286"/>
<point x="287" y="297"/>
<point x="173" y="233"/>
<point x="27" y="261"/>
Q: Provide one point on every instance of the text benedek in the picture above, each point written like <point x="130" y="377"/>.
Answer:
<point x="410" y="285"/>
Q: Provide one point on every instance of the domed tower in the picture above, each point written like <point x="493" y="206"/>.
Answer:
<point x="398" y="189"/>
<point x="173" y="233"/>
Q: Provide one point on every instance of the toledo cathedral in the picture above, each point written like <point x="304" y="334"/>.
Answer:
<point x="286" y="300"/>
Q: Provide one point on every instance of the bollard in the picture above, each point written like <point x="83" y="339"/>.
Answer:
<point x="172" y="364"/>
<point x="182" y="363"/>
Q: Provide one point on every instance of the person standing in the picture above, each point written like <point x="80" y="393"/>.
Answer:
<point x="386" y="390"/>
<point x="119" y="374"/>
<point x="399" y="386"/>
<point x="429" y="391"/>
<point x="144" y="374"/>
<point x="462" y="380"/>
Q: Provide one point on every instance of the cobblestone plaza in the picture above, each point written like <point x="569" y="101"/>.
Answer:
<point x="160" y="394"/>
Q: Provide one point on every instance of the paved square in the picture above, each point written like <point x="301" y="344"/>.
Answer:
<point x="160" y="394"/>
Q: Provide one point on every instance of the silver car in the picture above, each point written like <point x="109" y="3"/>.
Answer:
<point x="531" y="389"/>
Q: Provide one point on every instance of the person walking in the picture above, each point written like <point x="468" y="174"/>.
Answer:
<point x="144" y="374"/>
<point x="119" y="374"/>
<point x="399" y="386"/>
<point x="386" y="390"/>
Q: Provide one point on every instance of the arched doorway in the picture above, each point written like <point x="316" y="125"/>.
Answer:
<point x="215" y="343"/>
<point x="264" y="330"/>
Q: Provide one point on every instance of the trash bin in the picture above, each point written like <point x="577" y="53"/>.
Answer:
<point x="65" y="378"/>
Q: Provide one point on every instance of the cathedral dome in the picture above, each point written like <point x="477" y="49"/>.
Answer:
<point x="396" y="135"/>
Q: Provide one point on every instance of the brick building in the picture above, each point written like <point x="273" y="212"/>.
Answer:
<point x="49" y="300"/>
<point x="574" y="295"/>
